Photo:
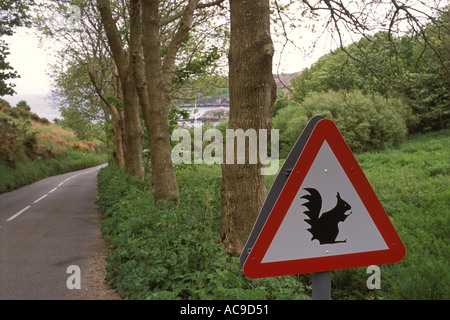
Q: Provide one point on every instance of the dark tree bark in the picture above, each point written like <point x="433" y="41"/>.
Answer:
<point x="132" y="124"/>
<point x="252" y="94"/>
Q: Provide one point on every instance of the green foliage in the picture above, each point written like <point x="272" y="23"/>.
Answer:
<point x="6" y="72"/>
<point x="79" y="104"/>
<point x="77" y="121"/>
<point x="12" y="14"/>
<point x="172" y="252"/>
<point x="4" y="105"/>
<point x="28" y="171"/>
<point x="175" y="116"/>
<point x="407" y="66"/>
<point x="281" y="102"/>
<point x="23" y="104"/>
<point x="412" y="182"/>
<point x="31" y="149"/>
<point x="12" y="133"/>
<point x="195" y="66"/>
<point x="367" y="122"/>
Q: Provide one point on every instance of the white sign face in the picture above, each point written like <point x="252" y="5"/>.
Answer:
<point x="356" y="233"/>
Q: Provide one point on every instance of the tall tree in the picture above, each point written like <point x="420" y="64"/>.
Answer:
<point x="132" y="124"/>
<point x="85" y="76"/>
<point x="153" y="61"/>
<point x="252" y="95"/>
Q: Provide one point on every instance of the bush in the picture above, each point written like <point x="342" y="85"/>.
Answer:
<point x="30" y="151"/>
<point x="31" y="145"/>
<point x="12" y="134"/>
<point x="78" y="147"/>
<point x="367" y="122"/>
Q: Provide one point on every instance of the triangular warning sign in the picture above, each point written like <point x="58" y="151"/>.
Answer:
<point x="322" y="215"/>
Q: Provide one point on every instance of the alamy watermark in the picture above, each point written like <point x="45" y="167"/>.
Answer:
<point x="74" y="280"/>
<point x="68" y="17"/>
<point x="243" y="147"/>
<point x="373" y="281"/>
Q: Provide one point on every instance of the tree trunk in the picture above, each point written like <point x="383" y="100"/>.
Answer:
<point x="155" y="88"/>
<point x="144" y="24"/>
<point x="118" y="122"/>
<point x="133" y="129"/>
<point x="132" y="123"/>
<point x="252" y="94"/>
<point x="118" y="139"/>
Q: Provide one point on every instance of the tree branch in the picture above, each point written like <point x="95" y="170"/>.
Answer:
<point x="174" y="45"/>
<point x="112" y="33"/>
<point x="180" y="14"/>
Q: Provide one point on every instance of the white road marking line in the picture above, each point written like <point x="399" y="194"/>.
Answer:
<point x="18" y="213"/>
<point x="36" y="201"/>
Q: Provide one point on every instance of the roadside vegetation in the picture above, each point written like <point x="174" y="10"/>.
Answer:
<point x="395" y="119"/>
<point x="32" y="148"/>
<point x="172" y="252"/>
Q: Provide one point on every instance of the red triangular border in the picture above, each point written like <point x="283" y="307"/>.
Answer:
<point x="324" y="130"/>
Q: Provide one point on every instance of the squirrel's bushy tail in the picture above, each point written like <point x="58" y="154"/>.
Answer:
<point x="314" y="205"/>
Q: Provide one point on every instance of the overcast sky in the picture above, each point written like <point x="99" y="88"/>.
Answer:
<point x="31" y="63"/>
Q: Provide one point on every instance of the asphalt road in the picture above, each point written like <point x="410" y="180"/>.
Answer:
<point x="45" y="228"/>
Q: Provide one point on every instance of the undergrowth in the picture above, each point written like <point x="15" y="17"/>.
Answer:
<point x="29" y="171"/>
<point x="173" y="253"/>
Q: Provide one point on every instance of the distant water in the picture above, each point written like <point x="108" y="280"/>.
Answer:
<point x="44" y="107"/>
<point x="39" y="104"/>
<point x="196" y="113"/>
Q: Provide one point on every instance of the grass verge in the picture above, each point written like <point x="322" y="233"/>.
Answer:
<point x="172" y="252"/>
<point x="29" y="171"/>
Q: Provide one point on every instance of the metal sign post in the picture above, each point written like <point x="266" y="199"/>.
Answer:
<point x="321" y="285"/>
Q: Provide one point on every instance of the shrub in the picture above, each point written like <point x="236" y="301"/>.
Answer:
<point x="31" y="145"/>
<point x="87" y="145"/>
<point x="12" y="134"/>
<point x="34" y="116"/>
<point x="44" y="121"/>
<point x="367" y="122"/>
<point x="78" y="146"/>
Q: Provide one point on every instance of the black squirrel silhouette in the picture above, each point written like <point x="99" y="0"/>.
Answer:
<point x="324" y="227"/>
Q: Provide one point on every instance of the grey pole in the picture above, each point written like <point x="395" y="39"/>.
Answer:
<point x="321" y="285"/>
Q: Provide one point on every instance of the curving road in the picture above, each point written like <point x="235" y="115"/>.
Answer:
<point x="46" y="227"/>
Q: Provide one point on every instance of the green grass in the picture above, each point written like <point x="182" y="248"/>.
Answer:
<point x="412" y="182"/>
<point x="172" y="252"/>
<point x="29" y="171"/>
